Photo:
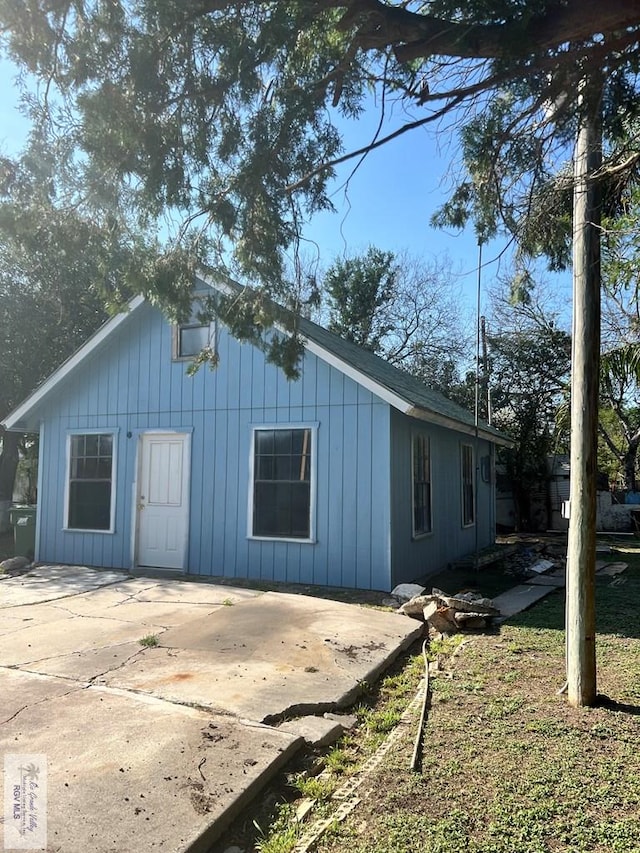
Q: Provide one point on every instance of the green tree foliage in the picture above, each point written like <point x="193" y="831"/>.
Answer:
<point x="530" y="359"/>
<point x="402" y="308"/>
<point x="58" y="275"/>
<point x="221" y="119"/>
<point x="619" y="420"/>
<point x="359" y="293"/>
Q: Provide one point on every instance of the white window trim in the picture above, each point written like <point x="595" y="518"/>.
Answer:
<point x="313" y="426"/>
<point x="175" y="337"/>
<point x="114" y="432"/>
<point x="473" y="484"/>
<point x="422" y="534"/>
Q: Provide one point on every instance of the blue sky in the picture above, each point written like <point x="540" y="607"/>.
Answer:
<point x="388" y="202"/>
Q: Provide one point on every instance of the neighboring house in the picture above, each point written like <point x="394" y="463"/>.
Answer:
<point x="353" y="475"/>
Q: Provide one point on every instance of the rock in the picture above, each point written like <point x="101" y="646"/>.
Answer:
<point x="316" y="731"/>
<point x="471" y="620"/>
<point x="406" y="591"/>
<point x="14" y="564"/>
<point x="429" y="609"/>
<point x="416" y="605"/>
<point x="476" y="605"/>
<point x="347" y="721"/>
<point x="446" y="614"/>
<point x="441" y="619"/>
<point x="541" y="566"/>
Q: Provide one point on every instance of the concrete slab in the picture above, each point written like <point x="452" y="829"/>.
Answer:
<point x="316" y="731"/>
<point x="133" y="773"/>
<point x="144" y="613"/>
<point x="270" y="657"/>
<point x="613" y="569"/>
<point x="13" y="619"/>
<point x="88" y="665"/>
<point x="129" y="771"/>
<point x="557" y="581"/>
<point x="22" y="690"/>
<point x="47" y="583"/>
<point x="520" y="598"/>
<point x="149" y="589"/>
<point x="63" y="637"/>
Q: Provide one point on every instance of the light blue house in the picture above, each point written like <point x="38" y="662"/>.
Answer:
<point x="353" y="475"/>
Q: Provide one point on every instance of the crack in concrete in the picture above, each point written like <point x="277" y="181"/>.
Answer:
<point x="74" y="689"/>
<point x="96" y="649"/>
<point x="67" y="595"/>
<point x="115" y="667"/>
<point x="197" y="706"/>
<point x="113" y="618"/>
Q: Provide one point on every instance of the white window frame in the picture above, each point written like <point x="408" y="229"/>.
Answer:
<point x="470" y="448"/>
<point x="420" y="534"/>
<point x="193" y="323"/>
<point x="113" y="432"/>
<point x="313" y="487"/>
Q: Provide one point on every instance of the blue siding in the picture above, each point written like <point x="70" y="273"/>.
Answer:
<point x="450" y="540"/>
<point x="131" y="385"/>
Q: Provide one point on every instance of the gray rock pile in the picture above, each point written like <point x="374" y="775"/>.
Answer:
<point x="449" y="614"/>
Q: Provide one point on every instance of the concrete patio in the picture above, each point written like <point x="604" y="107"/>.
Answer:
<point x="159" y="746"/>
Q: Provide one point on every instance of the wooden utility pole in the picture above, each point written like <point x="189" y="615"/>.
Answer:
<point x="585" y="371"/>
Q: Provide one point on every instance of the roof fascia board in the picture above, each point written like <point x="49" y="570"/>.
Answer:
<point x="467" y="429"/>
<point x="14" y="418"/>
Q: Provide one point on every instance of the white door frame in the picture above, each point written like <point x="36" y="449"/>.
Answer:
<point x="185" y="434"/>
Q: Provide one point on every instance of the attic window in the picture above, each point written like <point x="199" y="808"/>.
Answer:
<point x="192" y="337"/>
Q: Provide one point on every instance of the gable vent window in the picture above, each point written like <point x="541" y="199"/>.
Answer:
<point x="421" y="485"/>
<point x="192" y="337"/>
<point x="90" y="504"/>
<point x="283" y="460"/>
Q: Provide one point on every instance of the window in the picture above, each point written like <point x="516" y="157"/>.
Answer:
<point x="193" y="336"/>
<point x="468" y="497"/>
<point x="421" y="485"/>
<point x="90" y="504"/>
<point x="282" y="494"/>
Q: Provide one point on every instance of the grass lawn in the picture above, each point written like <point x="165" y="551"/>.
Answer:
<point x="508" y="766"/>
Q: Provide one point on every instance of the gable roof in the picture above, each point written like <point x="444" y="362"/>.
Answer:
<point x="396" y="387"/>
<point x="16" y="420"/>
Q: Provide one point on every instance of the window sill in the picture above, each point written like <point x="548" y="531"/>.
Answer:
<point x="252" y="538"/>
<point x="86" y="530"/>
<point x="416" y="537"/>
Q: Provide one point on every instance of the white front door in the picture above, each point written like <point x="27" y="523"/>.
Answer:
<point x="163" y="500"/>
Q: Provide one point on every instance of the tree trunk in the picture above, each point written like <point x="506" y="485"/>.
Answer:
<point x="8" y="467"/>
<point x="580" y="616"/>
<point x="8" y="464"/>
<point x="629" y="462"/>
